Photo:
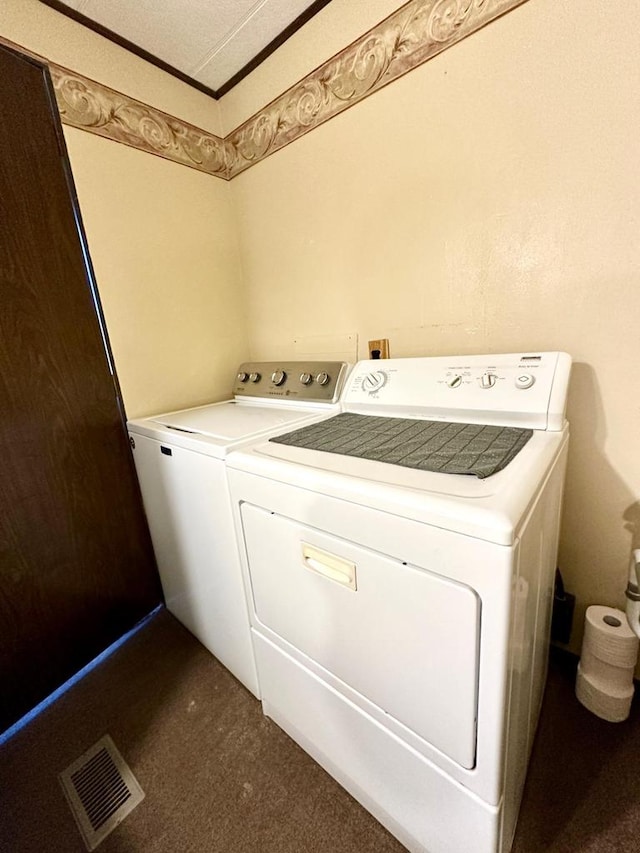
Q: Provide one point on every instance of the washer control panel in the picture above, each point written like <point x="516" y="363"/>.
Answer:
<point x="306" y="381"/>
<point x="519" y="389"/>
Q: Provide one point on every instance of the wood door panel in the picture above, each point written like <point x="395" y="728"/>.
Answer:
<point x="76" y="564"/>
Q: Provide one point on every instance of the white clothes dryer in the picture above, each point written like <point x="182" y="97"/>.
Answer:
<point x="399" y="560"/>
<point x="180" y="462"/>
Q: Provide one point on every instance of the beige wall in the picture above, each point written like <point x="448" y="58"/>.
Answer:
<point x="487" y="201"/>
<point x="167" y="267"/>
<point x="160" y="235"/>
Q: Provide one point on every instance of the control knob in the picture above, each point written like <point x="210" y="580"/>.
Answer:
<point x="374" y="381"/>
<point x="454" y="381"/>
<point x="487" y="380"/>
<point x="306" y="378"/>
<point x="255" y="377"/>
<point x="278" y="377"/>
<point x="322" y="378"/>
<point x="242" y="376"/>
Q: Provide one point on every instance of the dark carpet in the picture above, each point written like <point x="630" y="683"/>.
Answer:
<point x="221" y="778"/>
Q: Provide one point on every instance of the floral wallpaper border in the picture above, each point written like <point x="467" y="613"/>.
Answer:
<point x="413" y="34"/>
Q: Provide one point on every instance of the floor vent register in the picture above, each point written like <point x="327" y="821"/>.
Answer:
<point x="101" y="791"/>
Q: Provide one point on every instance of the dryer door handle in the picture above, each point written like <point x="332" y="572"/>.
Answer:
<point x="330" y="565"/>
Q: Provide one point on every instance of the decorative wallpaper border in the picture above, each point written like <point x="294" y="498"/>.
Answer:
<point x="410" y="36"/>
<point x="413" y="34"/>
<point x="91" y="106"/>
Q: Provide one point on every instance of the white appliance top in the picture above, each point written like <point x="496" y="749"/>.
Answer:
<point x="270" y="398"/>
<point x="509" y="390"/>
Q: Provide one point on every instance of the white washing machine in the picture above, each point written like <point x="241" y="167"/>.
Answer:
<point x="180" y="462"/>
<point x="401" y="615"/>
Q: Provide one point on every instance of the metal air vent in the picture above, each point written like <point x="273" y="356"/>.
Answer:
<point x="101" y="791"/>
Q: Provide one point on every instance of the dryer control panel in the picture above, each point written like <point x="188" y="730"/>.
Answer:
<point x="513" y="389"/>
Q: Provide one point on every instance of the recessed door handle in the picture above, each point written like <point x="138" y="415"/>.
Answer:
<point x="331" y="566"/>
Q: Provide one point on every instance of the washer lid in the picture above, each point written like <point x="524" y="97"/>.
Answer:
<point x="231" y="421"/>
<point x="218" y="427"/>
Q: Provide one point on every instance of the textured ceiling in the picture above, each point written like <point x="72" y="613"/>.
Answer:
<point x="209" y="41"/>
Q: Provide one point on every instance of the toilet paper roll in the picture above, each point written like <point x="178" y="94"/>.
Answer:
<point x="608" y="637"/>
<point x="604" y="675"/>
<point x="611" y="706"/>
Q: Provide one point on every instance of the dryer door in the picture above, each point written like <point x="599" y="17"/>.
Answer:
<point x="404" y="637"/>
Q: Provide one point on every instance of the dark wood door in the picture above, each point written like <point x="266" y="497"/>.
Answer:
<point x="76" y="563"/>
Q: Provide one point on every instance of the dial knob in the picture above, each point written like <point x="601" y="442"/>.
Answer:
<point x="374" y="381"/>
<point x="242" y="376"/>
<point x="278" y="377"/>
<point x="322" y="378"/>
<point x="255" y="377"/>
<point x="454" y="381"/>
<point x="487" y="380"/>
<point x="306" y="378"/>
